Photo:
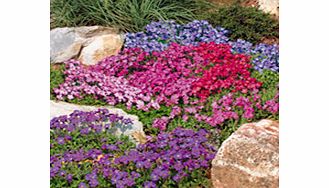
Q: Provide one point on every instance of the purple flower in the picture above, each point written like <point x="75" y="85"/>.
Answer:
<point x="155" y="176"/>
<point x="83" y="185"/>
<point x="135" y="175"/>
<point x="113" y="147"/>
<point x="84" y="131"/>
<point x="69" y="178"/>
<point x="60" y="140"/>
<point x="149" y="184"/>
<point x="179" y="176"/>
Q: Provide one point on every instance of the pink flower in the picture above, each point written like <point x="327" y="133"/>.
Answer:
<point x="175" y="111"/>
<point x="161" y="123"/>
<point x="185" y="117"/>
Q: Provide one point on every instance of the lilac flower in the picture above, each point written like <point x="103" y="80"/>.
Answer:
<point x="83" y="185"/>
<point x="69" y="178"/>
<point x="164" y="157"/>
<point x="159" y="35"/>
<point x="113" y="147"/>
<point x="179" y="176"/>
<point x="60" y="140"/>
<point x="135" y="175"/>
<point x="149" y="184"/>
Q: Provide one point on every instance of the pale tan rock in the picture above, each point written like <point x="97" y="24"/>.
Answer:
<point x="249" y="158"/>
<point x="269" y="6"/>
<point x="101" y="47"/>
<point x="58" y="108"/>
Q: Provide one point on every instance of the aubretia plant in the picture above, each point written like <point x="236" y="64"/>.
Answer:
<point x="79" y="140"/>
<point x="85" y="154"/>
<point x="80" y="81"/>
<point x="170" y="77"/>
<point x="183" y="78"/>
<point x="179" y="157"/>
<point x="264" y="56"/>
<point x="81" y="125"/>
<point x="159" y="35"/>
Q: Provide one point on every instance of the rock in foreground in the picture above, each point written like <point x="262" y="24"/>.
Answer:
<point x="135" y="132"/>
<point x="249" y="158"/>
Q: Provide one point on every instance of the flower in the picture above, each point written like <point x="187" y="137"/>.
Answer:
<point x="161" y="123"/>
<point x="83" y="185"/>
<point x="149" y="184"/>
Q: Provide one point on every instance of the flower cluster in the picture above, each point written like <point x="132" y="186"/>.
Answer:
<point x="94" y="158"/>
<point x="159" y="35"/>
<point x="81" y="81"/>
<point x="81" y="138"/>
<point x="170" y="156"/>
<point x="229" y="71"/>
<point x="84" y="123"/>
<point x="264" y="56"/>
<point x="135" y="77"/>
<point x="231" y="106"/>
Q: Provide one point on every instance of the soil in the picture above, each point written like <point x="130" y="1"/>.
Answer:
<point x="273" y="40"/>
<point x="250" y="3"/>
<point x="56" y="66"/>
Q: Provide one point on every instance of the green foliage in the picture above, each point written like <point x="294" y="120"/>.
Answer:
<point x="269" y="78"/>
<point x="128" y="15"/>
<point x="246" y="23"/>
<point x="270" y="84"/>
<point x="87" y="142"/>
<point x="88" y="100"/>
<point x="56" y="78"/>
<point x="147" y="117"/>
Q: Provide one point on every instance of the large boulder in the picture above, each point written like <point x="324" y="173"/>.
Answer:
<point x="135" y="132"/>
<point x="249" y="157"/>
<point x="89" y="44"/>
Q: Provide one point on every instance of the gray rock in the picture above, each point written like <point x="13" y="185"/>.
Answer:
<point x="65" y="44"/>
<point x="135" y="131"/>
<point x="89" y="44"/>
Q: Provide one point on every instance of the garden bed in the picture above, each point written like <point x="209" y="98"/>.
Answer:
<point x="191" y="85"/>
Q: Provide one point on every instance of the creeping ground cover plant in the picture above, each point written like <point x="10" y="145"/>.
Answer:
<point x="159" y="35"/>
<point x="84" y="153"/>
<point x="185" y="77"/>
<point x="150" y="79"/>
<point x="190" y="86"/>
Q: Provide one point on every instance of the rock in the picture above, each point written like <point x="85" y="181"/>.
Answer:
<point x="269" y="6"/>
<point x="88" y="43"/>
<point x="135" y="132"/>
<point x="65" y="44"/>
<point x="101" y="47"/>
<point x="248" y="158"/>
